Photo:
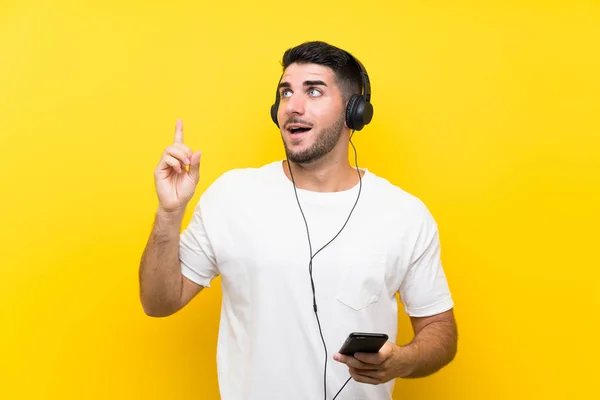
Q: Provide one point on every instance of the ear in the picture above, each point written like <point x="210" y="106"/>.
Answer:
<point x="344" y="112"/>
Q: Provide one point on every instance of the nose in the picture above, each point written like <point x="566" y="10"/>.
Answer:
<point x="295" y="104"/>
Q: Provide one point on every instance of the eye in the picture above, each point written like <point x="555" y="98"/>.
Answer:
<point x="314" y="92"/>
<point x="286" y="93"/>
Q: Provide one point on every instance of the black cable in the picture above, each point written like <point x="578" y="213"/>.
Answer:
<point x="312" y="283"/>
<point x="341" y="388"/>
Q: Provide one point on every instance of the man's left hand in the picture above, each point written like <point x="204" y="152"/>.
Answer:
<point x="376" y="368"/>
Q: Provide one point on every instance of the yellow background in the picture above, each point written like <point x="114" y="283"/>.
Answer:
<point x="488" y="111"/>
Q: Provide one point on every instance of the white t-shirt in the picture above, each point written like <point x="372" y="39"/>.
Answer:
<point x="248" y="228"/>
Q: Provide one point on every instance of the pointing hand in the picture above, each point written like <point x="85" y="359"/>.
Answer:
<point x="177" y="174"/>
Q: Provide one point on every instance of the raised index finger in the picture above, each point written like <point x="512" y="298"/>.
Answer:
<point x="179" y="131"/>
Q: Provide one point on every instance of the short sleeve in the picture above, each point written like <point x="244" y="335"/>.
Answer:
<point x="198" y="262"/>
<point x="424" y="290"/>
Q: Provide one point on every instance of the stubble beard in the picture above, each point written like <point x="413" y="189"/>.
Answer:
<point x="326" y="140"/>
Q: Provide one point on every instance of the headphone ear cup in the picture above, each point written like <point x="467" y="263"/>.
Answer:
<point x="274" y="109"/>
<point x="351" y="113"/>
<point x="366" y="112"/>
<point x="358" y="113"/>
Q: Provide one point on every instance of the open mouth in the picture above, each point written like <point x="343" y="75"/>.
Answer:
<point x="294" y="131"/>
<point x="298" y="129"/>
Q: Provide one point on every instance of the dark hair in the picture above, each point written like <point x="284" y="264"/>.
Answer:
<point x="346" y="72"/>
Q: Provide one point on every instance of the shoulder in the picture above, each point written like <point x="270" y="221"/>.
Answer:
<point x="236" y="177"/>
<point x="406" y="213"/>
<point x="398" y="201"/>
<point x="236" y="182"/>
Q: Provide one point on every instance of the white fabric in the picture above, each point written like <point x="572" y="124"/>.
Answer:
<point x="247" y="228"/>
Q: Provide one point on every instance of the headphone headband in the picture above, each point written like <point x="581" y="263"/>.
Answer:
<point x="366" y="84"/>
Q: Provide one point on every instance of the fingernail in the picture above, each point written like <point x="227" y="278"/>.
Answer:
<point x="187" y="161"/>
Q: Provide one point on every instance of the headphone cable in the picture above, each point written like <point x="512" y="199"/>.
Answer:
<point x="313" y="256"/>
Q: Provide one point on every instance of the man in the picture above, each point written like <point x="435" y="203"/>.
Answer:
<point x="309" y="249"/>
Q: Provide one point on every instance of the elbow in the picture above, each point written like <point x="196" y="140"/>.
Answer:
<point x="157" y="310"/>
<point x="454" y="344"/>
<point x="450" y="357"/>
<point x="451" y="351"/>
<point x="450" y="348"/>
<point x="154" y="313"/>
<point x="454" y="350"/>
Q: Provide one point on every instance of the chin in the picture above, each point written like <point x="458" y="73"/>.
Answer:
<point x="297" y="145"/>
<point x="303" y="158"/>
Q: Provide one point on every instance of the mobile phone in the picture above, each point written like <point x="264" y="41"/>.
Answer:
<point x="363" y="342"/>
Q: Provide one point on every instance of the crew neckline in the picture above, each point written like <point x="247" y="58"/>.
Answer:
<point x="323" y="197"/>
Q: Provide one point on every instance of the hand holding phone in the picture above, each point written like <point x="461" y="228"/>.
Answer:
<point x="372" y="358"/>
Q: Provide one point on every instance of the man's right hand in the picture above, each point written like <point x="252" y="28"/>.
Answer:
<point x="175" y="184"/>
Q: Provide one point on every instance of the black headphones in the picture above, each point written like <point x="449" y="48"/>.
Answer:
<point x="359" y="110"/>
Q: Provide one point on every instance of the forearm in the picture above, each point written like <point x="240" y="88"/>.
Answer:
<point x="160" y="272"/>
<point x="431" y="349"/>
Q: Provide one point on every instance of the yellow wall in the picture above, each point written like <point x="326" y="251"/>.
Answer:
<point x="488" y="112"/>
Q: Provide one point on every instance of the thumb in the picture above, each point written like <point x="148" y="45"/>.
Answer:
<point x="195" y="166"/>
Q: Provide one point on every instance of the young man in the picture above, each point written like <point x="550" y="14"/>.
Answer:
<point x="309" y="249"/>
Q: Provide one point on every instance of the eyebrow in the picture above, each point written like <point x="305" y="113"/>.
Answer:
<point x="306" y="83"/>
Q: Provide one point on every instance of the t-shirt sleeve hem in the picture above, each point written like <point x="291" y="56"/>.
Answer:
<point x="194" y="276"/>
<point x="432" y="309"/>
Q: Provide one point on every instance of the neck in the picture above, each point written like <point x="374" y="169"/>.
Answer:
<point x="323" y="175"/>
